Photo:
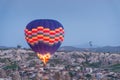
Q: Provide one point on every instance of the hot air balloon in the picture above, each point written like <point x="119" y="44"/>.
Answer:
<point x="44" y="36"/>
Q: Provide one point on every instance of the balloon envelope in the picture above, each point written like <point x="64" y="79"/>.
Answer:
<point x="44" y="36"/>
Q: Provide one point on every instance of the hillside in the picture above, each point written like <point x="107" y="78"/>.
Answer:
<point x="110" y="49"/>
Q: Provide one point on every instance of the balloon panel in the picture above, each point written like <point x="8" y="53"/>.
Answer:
<point x="44" y="35"/>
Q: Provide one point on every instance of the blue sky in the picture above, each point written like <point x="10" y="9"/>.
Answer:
<point x="84" y="20"/>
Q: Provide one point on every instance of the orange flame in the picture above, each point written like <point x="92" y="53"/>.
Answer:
<point x="44" y="57"/>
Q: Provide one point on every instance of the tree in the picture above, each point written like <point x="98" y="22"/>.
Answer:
<point x="19" y="46"/>
<point x="88" y="76"/>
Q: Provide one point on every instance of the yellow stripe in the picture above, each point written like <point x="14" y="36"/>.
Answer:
<point x="46" y="37"/>
<point x="40" y="27"/>
<point x="46" y="29"/>
<point x="34" y="38"/>
<point x="34" y="29"/>
<point x="40" y="35"/>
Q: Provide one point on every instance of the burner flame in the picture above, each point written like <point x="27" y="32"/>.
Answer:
<point x="44" y="57"/>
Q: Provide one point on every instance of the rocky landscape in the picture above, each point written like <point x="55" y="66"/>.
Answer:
<point x="23" y="64"/>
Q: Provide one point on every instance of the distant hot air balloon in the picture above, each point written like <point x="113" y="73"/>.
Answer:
<point x="44" y="36"/>
<point x="90" y="43"/>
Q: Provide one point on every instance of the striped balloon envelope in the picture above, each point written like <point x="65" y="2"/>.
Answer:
<point x="44" y="36"/>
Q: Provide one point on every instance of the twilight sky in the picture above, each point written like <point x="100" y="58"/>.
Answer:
<point x="84" y="20"/>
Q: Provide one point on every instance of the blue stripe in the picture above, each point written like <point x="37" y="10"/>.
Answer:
<point x="46" y="23"/>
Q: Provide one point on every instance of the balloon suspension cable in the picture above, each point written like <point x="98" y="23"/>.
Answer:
<point x="44" y="57"/>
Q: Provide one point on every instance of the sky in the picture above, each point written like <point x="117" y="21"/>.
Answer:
<point x="84" y="20"/>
